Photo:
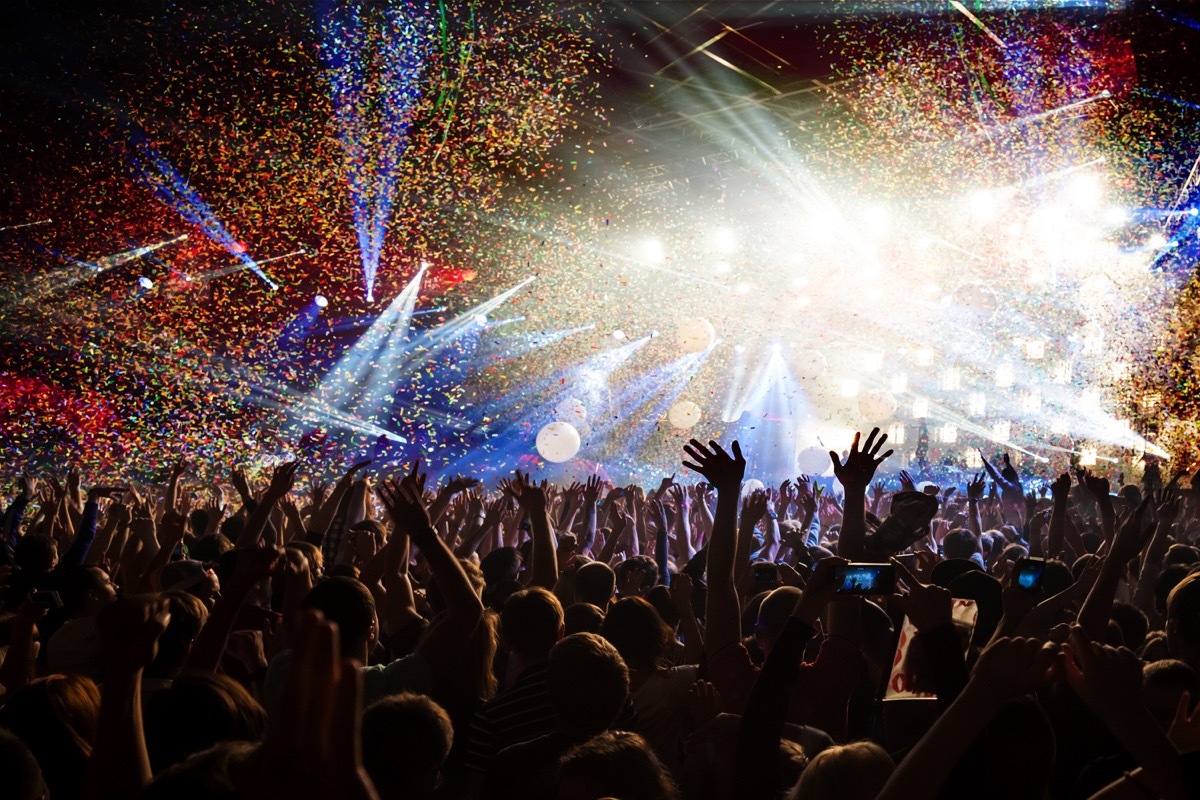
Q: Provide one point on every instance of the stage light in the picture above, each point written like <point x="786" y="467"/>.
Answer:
<point x="878" y="219"/>
<point x="1062" y="373"/>
<point x="1085" y="189"/>
<point x="145" y="282"/>
<point x="370" y="297"/>
<point x="984" y="205"/>
<point x="973" y="459"/>
<point x="481" y="319"/>
<point x="1116" y="216"/>
<point x="739" y="348"/>
<point x="1001" y="431"/>
<point x="948" y="433"/>
<point x="920" y="408"/>
<point x="743" y="287"/>
<point x="724" y="240"/>
<point x="1031" y="401"/>
<point x="1035" y="349"/>
<point x="951" y="380"/>
<point x="1087" y="458"/>
<point x="619" y="335"/>
<point x="320" y="301"/>
<point x="1059" y="427"/>
<point x="896" y="434"/>
<point x="977" y="404"/>
<point x="722" y="268"/>
<point x="1156" y="241"/>
<point x="1004" y="376"/>
<point x="652" y="251"/>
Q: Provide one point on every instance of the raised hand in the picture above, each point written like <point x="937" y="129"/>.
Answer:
<point x="1061" y="487"/>
<point x="529" y="495"/>
<point x="860" y="465"/>
<point x="819" y="590"/>
<point x="1185" y="728"/>
<point x="1167" y="507"/>
<point x="907" y="484"/>
<point x="929" y="607"/>
<point x="1013" y="667"/>
<point x="754" y="507"/>
<point x="282" y="480"/>
<point x="592" y="489"/>
<point x="722" y="470"/>
<point x="460" y="483"/>
<point x="415" y="478"/>
<point x="314" y="751"/>
<point x="1108" y="679"/>
<point x="129" y="631"/>
<point x="975" y="488"/>
<point x="1131" y="538"/>
<point x="406" y="507"/>
<point x="1096" y="485"/>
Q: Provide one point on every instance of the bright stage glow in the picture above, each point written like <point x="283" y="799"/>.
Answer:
<point x="145" y="282"/>
<point x="320" y="301"/>
<point x="652" y="251"/>
<point x="724" y="241"/>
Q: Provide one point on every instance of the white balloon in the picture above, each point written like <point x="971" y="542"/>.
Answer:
<point x="877" y="406"/>
<point x="684" y="414"/>
<point x="558" y="442"/>
<point x="812" y="461"/>
<point x="808" y="364"/>
<point x="570" y="409"/>
<point x="751" y="486"/>
<point x="695" y="335"/>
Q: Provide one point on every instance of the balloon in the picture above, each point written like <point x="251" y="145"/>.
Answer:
<point x="812" y="461"/>
<point x="877" y="406"/>
<point x="695" y="335"/>
<point x="558" y="442"/>
<point x="751" y="486"/>
<point x="570" y="409"/>
<point x="684" y="414"/>
<point x="808" y="364"/>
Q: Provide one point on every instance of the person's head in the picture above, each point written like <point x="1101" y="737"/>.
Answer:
<point x="1164" y="583"/>
<point x="1183" y="620"/>
<point x="531" y="623"/>
<point x="638" y="632"/>
<point x="773" y="613"/>
<point x="188" y="615"/>
<point x="56" y="718"/>
<point x="500" y="565"/>
<point x="211" y="774"/>
<point x="207" y="549"/>
<point x="22" y="775"/>
<point x="86" y="590"/>
<point x="614" y="764"/>
<point x="412" y="725"/>
<point x="348" y="603"/>
<point x="312" y="554"/>
<point x="36" y="554"/>
<point x="588" y="683"/>
<point x="1163" y="683"/>
<point x="582" y="618"/>
<point x="1133" y="624"/>
<point x="854" y="771"/>
<point x="193" y="577"/>
<point x="960" y="543"/>
<point x="470" y="677"/>
<point x="198" y="521"/>
<point x="1184" y="554"/>
<point x="595" y="583"/>
<point x="196" y="712"/>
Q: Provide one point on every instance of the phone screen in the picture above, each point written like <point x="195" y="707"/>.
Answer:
<point x="1030" y="572"/>
<point x="866" y="579"/>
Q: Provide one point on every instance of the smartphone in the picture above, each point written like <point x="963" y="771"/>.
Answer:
<point x="765" y="573"/>
<point x="1030" y="572"/>
<point x="46" y="600"/>
<point x="866" y="579"/>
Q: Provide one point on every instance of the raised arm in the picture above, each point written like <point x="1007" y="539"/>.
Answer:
<point x="855" y="476"/>
<point x="281" y="483"/>
<point x="532" y="499"/>
<point x="445" y="641"/>
<point x="1094" y="614"/>
<point x="724" y="472"/>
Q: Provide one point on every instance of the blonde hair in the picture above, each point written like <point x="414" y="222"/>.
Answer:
<point x="855" y="771"/>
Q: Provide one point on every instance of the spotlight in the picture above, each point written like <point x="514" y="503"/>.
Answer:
<point x="920" y="408"/>
<point x="370" y="297"/>
<point x="1156" y="241"/>
<point x="724" y="241"/>
<point x="739" y="348"/>
<point x="948" y="433"/>
<point x="652" y="251"/>
<point x="320" y="301"/>
<point x="619" y="335"/>
<point x="145" y="282"/>
<point x="481" y="319"/>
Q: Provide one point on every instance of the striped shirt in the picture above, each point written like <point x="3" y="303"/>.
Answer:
<point x="519" y="714"/>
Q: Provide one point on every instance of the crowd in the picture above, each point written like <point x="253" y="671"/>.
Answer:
<point x="384" y="637"/>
